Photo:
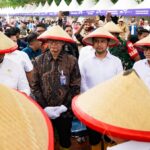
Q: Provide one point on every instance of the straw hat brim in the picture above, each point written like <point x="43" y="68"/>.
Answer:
<point x="112" y="27"/>
<point x="9" y="50"/>
<point x="89" y="39"/>
<point x="49" y="125"/>
<point x="112" y="113"/>
<point x="7" y="45"/>
<point x="56" y="33"/>
<point x="143" y="42"/>
<point x="56" y="38"/>
<point x="23" y="120"/>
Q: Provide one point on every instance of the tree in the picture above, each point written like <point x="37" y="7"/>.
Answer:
<point x="14" y="3"/>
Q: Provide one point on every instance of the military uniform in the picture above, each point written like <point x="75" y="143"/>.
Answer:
<point x="121" y="52"/>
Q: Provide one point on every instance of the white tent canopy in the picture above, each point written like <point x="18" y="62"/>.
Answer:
<point x="124" y="4"/>
<point x="103" y="5"/>
<point x="87" y="4"/>
<point x="53" y="7"/>
<point x="39" y="8"/>
<point x="74" y="6"/>
<point x="45" y="8"/>
<point x="63" y="6"/>
<point x="143" y="5"/>
<point x="29" y="8"/>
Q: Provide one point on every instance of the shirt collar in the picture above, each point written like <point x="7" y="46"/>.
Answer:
<point x="146" y="62"/>
<point x="108" y="56"/>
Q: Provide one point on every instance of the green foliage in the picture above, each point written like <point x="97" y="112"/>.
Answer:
<point x="14" y="3"/>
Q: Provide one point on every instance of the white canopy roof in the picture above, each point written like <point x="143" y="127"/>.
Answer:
<point x="144" y="4"/>
<point x="124" y="4"/>
<point x="46" y="7"/>
<point x="39" y="8"/>
<point x="74" y="6"/>
<point x="53" y="7"/>
<point x="87" y="4"/>
<point x="103" y="5"/>
<point x="63" y="6"/>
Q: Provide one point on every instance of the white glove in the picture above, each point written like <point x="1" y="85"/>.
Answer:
<point x="51" y="112"/>
<point x="61" y="109"/>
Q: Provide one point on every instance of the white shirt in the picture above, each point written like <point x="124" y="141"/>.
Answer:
<point x="84" y="53"/>
<point x="131" y="145"/>
<point x="143" y="70"/>
<point x="95" y="71"/>
<point x="22" y="59"/>
<point x="12" y="75"/>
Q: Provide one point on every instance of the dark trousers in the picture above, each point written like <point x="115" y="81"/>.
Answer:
<point x="63" y="128"/>
<point x="95" y="137"/>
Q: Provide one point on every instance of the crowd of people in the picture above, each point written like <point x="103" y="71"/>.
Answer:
<point x="54" y="60"/>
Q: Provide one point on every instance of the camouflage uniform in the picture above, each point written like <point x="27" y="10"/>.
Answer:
<point x="46" y="86"/>
<point x="121" y="52"/>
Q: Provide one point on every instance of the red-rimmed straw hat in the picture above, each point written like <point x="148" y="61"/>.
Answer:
<point x="118" y="108"/>
<point x="143" y="42"/>
<point x="112" y="27"/>
<point x="100" y="32"/>
<point x="7" y="45"/>
<point x="23" y="124"/>
<point x="56" y="33"/>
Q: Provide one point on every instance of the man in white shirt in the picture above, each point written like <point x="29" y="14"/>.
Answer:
<point x="23" y="60"/>
<point x="98" y="67"/>
<point x="20" y="57"/>
<point x="142" y="67"/>
<point x="11" y="74"/>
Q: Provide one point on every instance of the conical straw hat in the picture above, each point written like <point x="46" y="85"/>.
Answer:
<point x="119" y="108"/>
<point x="56" y="33"/>
<point x="7" y="45"/>
<point x="143" y="42"/>
<point x="101" y="33"/>
<point x="23" y="124"/>
<point x="112" y="27"/>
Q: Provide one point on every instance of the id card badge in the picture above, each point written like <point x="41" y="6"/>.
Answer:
<point x="62" y="78"/>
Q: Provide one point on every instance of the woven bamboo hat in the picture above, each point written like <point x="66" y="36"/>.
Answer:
<point x="7" y="45"/>
<point x="23" y="124"/>
<point x="119" y="108"/>
<point x="143" y="42"/>
<point x="112" y="27"/>
<point x="56" y="33"/>
<point x="100" y="33"/>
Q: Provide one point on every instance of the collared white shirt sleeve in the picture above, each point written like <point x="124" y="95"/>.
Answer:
<point x="143" y="70"/>
<point x="84" y="53"/>
<point x="22" y="59"/>
<point x="13" y="76"/>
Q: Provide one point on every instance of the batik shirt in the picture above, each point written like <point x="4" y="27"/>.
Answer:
<point x="47" y="87"/>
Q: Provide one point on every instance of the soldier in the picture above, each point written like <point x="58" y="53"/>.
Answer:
<point x="121" y="50"/>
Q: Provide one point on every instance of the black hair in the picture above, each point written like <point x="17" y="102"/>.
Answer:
<point x="66" y="26"/>
<point x="10" y="32"/>
<point x="141" y="30"/>
<point x="31" y="37"/>
<point x="17" y="30"/>
<point x="41" y="25"/>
